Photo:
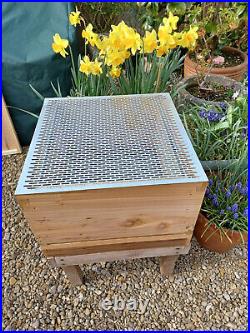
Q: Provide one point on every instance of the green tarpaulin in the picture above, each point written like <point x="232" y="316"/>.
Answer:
<point x="27" y="58"/>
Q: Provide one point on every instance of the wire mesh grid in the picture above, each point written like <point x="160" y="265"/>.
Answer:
<point x="113" y="141"/>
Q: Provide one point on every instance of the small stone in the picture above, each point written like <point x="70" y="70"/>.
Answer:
<point x="36" y="323"/>
<point x="6" y="236"/>
<point x="12" y="281"/>
<point x="87" y="311"/>
<point x="208" y="307"/>
<point x="97" y="291"/>
<point x="53" y="290"/>
<point x="59" y="289"/>
<point x="222" y="272"/>
<point x="226" y="296"/>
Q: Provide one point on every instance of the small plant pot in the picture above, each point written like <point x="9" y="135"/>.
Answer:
<point x="213" y="239"/>
<point x="184" y="96"/>
<point x="234" y="72"/>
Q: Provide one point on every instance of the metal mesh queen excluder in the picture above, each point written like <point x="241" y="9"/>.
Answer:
<point x="112" y="141"/>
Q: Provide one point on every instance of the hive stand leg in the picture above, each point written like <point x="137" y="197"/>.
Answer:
<point x="167" y="264"/>
<point x="74" y="274"/>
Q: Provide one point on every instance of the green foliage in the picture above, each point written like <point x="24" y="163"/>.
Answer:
<point x="226" y="202"/>
<point x="147" y="74"/>
<point x="225" y="139"/>
<point x="222" y="24"/>
<point x="151" y="13"/>
<point x="91" y="85"/>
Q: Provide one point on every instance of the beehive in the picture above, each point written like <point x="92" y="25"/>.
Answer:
<point x="110" y="173"/>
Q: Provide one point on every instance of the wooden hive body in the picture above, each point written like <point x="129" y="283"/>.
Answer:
<point x="87" y="189"/>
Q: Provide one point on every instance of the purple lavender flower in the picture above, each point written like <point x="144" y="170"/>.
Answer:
<point x="210" y="182"/>
<point x="235" y="208"/>
<point x="236" y="215"/>
<point x="231" y="188"/>
<point x="207" y="192"/>
<point x="229" y="208"/>
<point x="228" y="194"/>
<point x="245" y="212"/>
<point x="222" y="212"/>
<point x="210" y="196"/>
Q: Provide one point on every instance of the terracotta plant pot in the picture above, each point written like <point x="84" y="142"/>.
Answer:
<point x="234" y="72"/>
<point x="184" y="96"/>
<point x="211" y="238"/>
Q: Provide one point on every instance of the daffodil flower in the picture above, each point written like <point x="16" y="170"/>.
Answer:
<point x="189" y="38"/>
<point x="172" y="20"/>
<point x="60" y="45"/>
<point x="116" y="58"/>
<point x="90" y="67"/>
<point x="115" y="72"/>
<point x="85" y="65"/>
<point x="96" y="68"/>
<point x="75" y="18"/>
<point x="89" y="35"/>
<point x="150" y="41"/>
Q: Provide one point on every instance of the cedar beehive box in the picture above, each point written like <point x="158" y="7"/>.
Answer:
<point x="110" y="173"/>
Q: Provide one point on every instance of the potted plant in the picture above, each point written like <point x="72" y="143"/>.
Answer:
<point x="206" y="89"/>
<point x="218" y="27"/>
<point x="222" y="223"/>
<point x="218" y="133"/>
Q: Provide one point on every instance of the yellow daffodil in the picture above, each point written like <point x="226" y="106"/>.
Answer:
<point x="96" y="68"/>
<point x="131" y="39"/>
<point x="85" y="65"/>
<point x="163" y="32"/>
<point x="115" y="72"/>
<point x="116" y="58"/>
<point x="189" y="38"/>
<point x="102" y="44"/>
<point x="162" y="49"/>
<point x="150" y="41"/>
<point x="60" y="45"/>
<point x="75" y="18"/>
<point x="89" y="35"/>
<point x="172" y="21"/>
<point x="90" y="67"/>
<point x="124" y="37"/>
<point x="167" y="41"/>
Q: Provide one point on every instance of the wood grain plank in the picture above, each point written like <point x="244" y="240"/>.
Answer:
<point x="10" y="143"/>
<point x="133" y="243"/>
<point x="119" y="255"/>
<point x="112" y="213"/>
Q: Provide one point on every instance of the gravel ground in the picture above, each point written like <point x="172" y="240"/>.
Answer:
<point x="207" y="292"/>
